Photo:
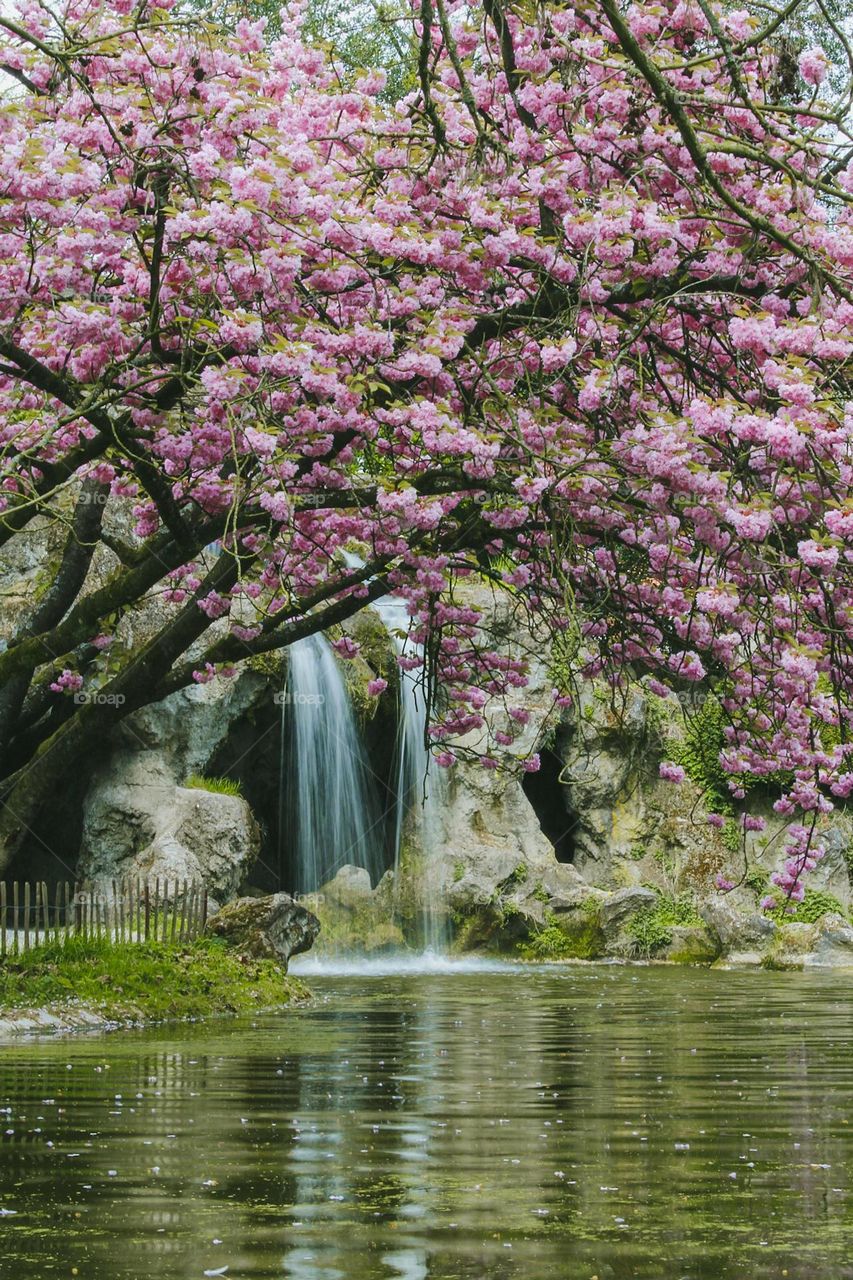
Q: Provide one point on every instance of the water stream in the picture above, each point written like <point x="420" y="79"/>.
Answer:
<point x="418" y="785"/>
<point x="329" y="810"/>
<point x="325" y="784"/>
<point x="466" y="1123"/>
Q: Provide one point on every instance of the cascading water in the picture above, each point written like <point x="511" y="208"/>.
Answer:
<point x="325" y="784"/>
<point x="418" y="784"/>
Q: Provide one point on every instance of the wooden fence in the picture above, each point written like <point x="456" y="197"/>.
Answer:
<point x="31" y="914"/>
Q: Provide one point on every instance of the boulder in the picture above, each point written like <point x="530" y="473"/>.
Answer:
<point x="354" y="916"/>
<point x="737" y="934"/>
<point x="350" y="887"/>
<point x="691" y="944"/>
<point x="616" y="913"/>
<point x="143" y="825"/>
<point x="269" y="928"/>
<point x="834" y="944"/>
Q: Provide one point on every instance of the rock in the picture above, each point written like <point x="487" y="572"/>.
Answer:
<point x="616" y="913"/>
<point x="834" y="945"/>
<point x="691" y="944"/>
<point x="619" y="907"/>
<point x="350" y="887"/>
<point x="792" y="947"/>
<point x="738" y="935"/>
<point x="355" y="917"/>
<point x="144" y="826"/>
<point x="831" y="873"/>
<point x="270" y="928"/>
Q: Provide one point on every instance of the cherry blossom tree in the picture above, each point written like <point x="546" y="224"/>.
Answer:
<point x="573" y="316"/>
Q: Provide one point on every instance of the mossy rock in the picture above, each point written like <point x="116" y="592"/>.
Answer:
<point x="691" y="944"/>
<point x="575" y="935"/>
<point x="792" y="944"/>
<point x="269" y="928"/>
<point x="496" y="927"/>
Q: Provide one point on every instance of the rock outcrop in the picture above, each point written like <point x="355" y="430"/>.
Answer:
<point x="274" y="927"/>
<point x="139" y="822"/>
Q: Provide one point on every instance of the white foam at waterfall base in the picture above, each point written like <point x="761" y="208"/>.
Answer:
<point x="393" y="963"/>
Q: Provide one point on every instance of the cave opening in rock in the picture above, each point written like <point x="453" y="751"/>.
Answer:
<point x="549" y="798"/>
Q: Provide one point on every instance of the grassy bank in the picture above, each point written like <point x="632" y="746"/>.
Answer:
<point x="128" y="982"/>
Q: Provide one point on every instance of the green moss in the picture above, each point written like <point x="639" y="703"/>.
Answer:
<point x="573" y="937"/>
<point x="563" y="659"/>
<point x="651" y="928"/>
<point x="665" y="861"/>
<point x="697" y="947"/>
<point x="219" y="786"/>
<point x="272" y="664"/>
<point x="757" y="880"/>
<point x="152" y="981"/>
<point x="698" y="753"/>
<point x="458" y="871"/>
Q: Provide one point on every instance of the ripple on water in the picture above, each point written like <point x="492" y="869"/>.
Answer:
<point x="448" y="1121"/>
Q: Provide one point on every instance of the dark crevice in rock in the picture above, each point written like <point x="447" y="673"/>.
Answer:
<point x="251" y="755"/>
<point x="51" y="847"/>
<point x="549" y="799"/>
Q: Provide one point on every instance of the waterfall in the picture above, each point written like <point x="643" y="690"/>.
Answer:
<point x="418" y="783"/>
<point x="325" y="775"/>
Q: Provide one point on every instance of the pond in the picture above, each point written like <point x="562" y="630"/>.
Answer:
<point x="502" y="1121"/>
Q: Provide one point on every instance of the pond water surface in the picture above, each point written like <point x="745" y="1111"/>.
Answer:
<point x="570" y="1122"/>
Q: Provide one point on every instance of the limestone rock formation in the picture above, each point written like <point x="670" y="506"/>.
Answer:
<point x="139" y="822"/>
<point x="741" y="936"/>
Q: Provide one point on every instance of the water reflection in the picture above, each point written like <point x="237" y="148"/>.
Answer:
<point x="571" y="1122"/>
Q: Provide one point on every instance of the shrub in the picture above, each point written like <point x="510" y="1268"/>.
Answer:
<point x="651" y="928"/>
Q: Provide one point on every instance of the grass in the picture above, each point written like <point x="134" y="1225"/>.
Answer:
<point x="219" y="786"/>
<point x="143" y="982"/>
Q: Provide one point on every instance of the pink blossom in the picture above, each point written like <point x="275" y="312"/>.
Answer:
<point x="671" y="772"/>
<point x="346" y="647"/>
<point x="375" y="687"/>
<point x="813" y="64"/>
<point x="67" y="682"/>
